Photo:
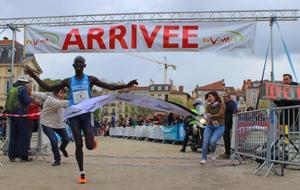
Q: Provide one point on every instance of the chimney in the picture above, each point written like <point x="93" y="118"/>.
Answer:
<point x="180" y="88"/>
<point x="151" y="81"/>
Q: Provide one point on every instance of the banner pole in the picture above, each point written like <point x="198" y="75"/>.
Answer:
<point x="271" y="50"/>
<point x="24" y="47"/>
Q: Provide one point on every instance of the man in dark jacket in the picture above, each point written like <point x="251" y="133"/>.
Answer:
<point x="19" y="138"/>
<point x="289" y="116"/>
<point x="230" y="109"/>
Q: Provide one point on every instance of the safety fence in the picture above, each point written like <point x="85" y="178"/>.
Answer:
<point x="39" y="145"/>
<point x="272" y="138"/>
<point x="3" y="124"/>
<point x="173" y="133"/>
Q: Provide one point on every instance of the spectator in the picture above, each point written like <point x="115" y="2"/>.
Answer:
<point x="214" y="130"/>
<point x="97" y="128"/>
<point x="52" y="121"/>
<point x="189" y="123"/>
<point x="2" y="124"/>
<point x="19" y="126"/>
<point x="230" y="109"/>
<point x="250" y="108"/>
<point x="33" y="110"/>
<point x="113" y="121"/>
<point x="289" y="116"/>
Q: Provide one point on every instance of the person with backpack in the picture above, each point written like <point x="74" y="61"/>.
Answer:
<point x="17" y="103"/>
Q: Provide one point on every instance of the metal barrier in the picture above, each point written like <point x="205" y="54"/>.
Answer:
<point x="3" y="124"/>
<point x="251" y="134"/>
<point x="38" y="145"/>
<point x="270" y="137"/>
<point x="3" y="135"/>
<point x="285" y="136"/>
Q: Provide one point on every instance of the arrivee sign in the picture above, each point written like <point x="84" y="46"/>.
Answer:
<point x="141" y="37"/>
<point x="278" y="92"/>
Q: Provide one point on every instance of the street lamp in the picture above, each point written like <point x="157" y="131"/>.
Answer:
<point x="13" y="29"/>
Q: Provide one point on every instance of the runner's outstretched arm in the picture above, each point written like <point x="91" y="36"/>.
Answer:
<point x="62" y="84"/>
<point x="99" y="83"/>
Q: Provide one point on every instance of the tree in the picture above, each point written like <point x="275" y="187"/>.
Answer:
<point x="49" y="82"/>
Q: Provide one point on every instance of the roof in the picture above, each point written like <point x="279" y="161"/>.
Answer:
<point x="179" y="92"/>
<point x="219" y="85"/>
<point x="31" y="58"/>
<point x="9" y="42"/>
<point x="230" y="90"/>
<point x="135" y="88"/>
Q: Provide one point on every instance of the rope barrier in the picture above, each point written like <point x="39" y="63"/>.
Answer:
<point x="16" y="115"/>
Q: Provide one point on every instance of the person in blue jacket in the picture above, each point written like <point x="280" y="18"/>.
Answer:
<point x="19" y="136"/>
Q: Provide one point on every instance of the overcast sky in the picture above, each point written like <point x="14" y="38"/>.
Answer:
<point x="192" y="68"/>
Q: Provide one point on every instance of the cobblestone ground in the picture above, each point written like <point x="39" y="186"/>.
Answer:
<point x="131" y="164"/>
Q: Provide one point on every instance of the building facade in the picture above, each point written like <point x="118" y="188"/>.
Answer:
<point x="218" y="86"/>
<point x="18" y="67"/>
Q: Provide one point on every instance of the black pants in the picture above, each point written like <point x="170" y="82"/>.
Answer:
<point x="78" y="124"/>
<point x="227" y="138"/>
<point x="50" y="132"/>
<point x="19" y="138"/>
<point x="188" y="132"/>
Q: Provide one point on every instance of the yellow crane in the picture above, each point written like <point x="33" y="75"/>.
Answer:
<point x="165" y="64"/>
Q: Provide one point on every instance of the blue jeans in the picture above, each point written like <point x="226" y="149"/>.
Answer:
<point x="50" y="132"/>
<point x="212" y="134"/>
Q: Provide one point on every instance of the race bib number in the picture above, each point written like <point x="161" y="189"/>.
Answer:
<point x="79" y="96"/>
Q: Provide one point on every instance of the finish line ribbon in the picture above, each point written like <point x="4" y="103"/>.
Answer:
<point x="16" y="115"/>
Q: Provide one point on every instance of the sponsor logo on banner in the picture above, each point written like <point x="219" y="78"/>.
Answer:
<point x="229" y="37"/>
<point x="45" y="38"/>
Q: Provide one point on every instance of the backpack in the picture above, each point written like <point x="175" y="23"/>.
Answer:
<point x="12" y="101"/>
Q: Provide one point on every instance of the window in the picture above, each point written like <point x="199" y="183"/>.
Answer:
<point x="9" y="70"/>
<point x="7" y="86"/>
<point x="166" y="88"/>
<point x="159" y="88"/>
<point x="152" y="88"/>
<point x="113" y="111"/>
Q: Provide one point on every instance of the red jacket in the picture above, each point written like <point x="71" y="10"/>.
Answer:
<point x="34" y="108"/>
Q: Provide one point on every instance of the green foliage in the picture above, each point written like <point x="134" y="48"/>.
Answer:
<point x="49" y="82"/>
<point x="97" y="115"/>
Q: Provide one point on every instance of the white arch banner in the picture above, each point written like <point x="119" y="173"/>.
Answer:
<point x="141" y="37"/>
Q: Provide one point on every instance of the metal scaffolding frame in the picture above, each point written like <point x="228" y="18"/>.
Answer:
<point x="200" y="16"/>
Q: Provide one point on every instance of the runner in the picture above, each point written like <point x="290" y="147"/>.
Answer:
<point x="80" y="86"/>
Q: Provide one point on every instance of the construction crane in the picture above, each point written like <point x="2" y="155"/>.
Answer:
<point x="166" y="66"/>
